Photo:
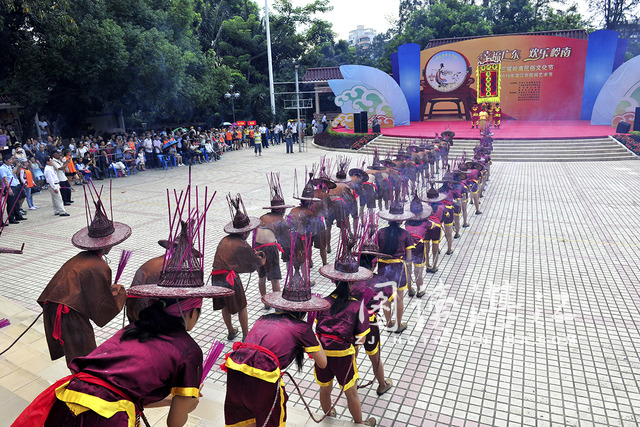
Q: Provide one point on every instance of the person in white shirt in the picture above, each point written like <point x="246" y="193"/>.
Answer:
<point x="51" y="176"/>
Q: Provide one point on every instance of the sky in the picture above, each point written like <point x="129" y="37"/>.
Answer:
<point x="348" y="14"/>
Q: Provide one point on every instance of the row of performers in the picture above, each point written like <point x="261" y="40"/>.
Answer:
<point x="154" y="361"/>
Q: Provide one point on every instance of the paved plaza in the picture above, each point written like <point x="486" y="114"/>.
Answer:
<point x="533" y="320"/>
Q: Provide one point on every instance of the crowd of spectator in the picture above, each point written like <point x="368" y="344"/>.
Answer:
<point x="80" y="160"/>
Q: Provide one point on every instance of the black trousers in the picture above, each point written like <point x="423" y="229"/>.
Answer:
<point x="65" y="191"/>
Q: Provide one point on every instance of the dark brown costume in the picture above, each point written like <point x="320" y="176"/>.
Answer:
<point x="234" y="254"/>
<point x="304" y="222"/>
<point x="148" y="273"/>
<point x="84" y="285"/>
<point x="278" y="226"/>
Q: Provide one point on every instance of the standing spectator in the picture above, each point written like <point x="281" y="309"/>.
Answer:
<point x="51" y="175"/>
<point x="314" y="126"/>
<point x="294" y="131"/>
<point x="325" y="125"/>
<point x="257" y="148"/>
<point x="81" y="150"/>
<point x="60" y="165"/>
<point x="26" y="179"/>
<point x="278" y="132"/>
<point x="12" y="186"/>
<point x="263" y="136"/>
<point x="289" y="140"/>
<point x="148" y="149"/>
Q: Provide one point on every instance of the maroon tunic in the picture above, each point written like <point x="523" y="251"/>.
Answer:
<point x="83" y="284"/>
<point x="253" y="376"/>
<point x="373" y="295"/>
<point x="394" y="268"/>
<point x="145" y="372"/>
<point x="338" y="332"/>
<point x="304" y="222"/>
<point x="234" y="254"/>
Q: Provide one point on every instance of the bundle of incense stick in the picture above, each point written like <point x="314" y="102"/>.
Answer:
<point x="212" y="357"/>
<point x="4" y="322"/>
<point x="312" y="315"/>
<point x="124" y="259"/>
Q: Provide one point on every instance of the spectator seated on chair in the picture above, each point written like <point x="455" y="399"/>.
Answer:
<point x="140" y="160"/>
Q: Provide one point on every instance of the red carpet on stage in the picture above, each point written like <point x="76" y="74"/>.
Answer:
<point x="509" y="129"/>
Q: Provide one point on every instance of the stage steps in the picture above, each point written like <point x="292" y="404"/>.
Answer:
<point x="523" y="150"/>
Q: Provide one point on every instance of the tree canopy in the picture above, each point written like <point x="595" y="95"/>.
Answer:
<point x="172" y="61"/>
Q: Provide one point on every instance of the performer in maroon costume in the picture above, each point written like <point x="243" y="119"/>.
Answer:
<point x="340" y="328"/>
<point x="153" y="362"/>
<point x="255" y="366"/>
<point x="398" y="245"/>
<point x="417" y="226"/>
<point x="434" y="231"/>
<point x="82" y="290"/>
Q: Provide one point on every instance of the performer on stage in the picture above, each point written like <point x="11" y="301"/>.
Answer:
<point x="255" y="366"/>
<point x="475" y="115"/>
<point x="497" y="116"/>
<point x="234" y="255"/>
<point x="81" y="290"/>
<point x="483" y="117"/>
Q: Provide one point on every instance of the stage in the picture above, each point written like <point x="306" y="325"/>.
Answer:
<point x="509" y="129"/>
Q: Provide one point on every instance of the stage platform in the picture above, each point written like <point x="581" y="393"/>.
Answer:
<point x="510" y="129"/>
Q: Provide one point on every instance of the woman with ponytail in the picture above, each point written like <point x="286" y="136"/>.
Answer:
<point x="341" y="328"/>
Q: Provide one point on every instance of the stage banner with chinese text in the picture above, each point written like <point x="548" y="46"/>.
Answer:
<point x="488" y="80"/>
<point x="541" y="77"/>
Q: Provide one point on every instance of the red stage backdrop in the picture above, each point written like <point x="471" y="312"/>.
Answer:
<point x="542" y="76"/>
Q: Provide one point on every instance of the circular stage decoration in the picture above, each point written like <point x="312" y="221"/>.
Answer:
<point x="446" y="71"/>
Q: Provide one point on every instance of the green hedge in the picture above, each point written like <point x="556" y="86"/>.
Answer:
<point x="353" y="141"/>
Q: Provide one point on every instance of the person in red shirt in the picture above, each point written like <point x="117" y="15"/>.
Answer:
<point x="497" y="116"/>
<point x="475" y="115"/>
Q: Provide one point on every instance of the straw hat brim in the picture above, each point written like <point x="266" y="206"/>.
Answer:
<point x="326" y="181"/>
<point x="307" y="199"/>
<point x="341" y="180"/>
<point x="364" y="176"/>
<point x="475" y="165"/>
<point x="376" y="254"/>
<point x="155" y="291"/>
<point x="82" y="240"/>
<point x="440" y="198"/>
<point x="279" y="207"/>
<point x="253" y="224"/>
<point x="165" y="244"/>
<point x="275" y="300"/>
<point x="377" y="168"/>
<point x="330" y="272"/>
<point x="388" y="216"/>
<point x="426" y="212"/>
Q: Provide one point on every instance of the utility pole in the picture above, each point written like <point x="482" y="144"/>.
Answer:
<point x="271" y="91"/>
<point x="298" y="127"/>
